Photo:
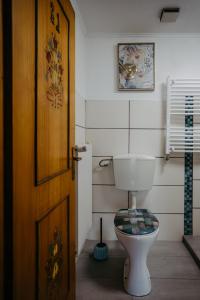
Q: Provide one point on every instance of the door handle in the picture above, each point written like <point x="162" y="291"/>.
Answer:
<point x="75" y="151"/>
<point x="80" y="148"/>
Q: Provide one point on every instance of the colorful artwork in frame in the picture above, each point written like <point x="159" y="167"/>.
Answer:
<point x="136" y="67"/>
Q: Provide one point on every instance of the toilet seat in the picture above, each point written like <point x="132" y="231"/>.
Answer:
<point x="136" y="222"/>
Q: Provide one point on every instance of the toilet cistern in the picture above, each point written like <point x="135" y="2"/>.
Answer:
<point x="134" y="173"/>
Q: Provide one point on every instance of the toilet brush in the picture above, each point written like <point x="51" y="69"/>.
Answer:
<point x="100" y="250"/>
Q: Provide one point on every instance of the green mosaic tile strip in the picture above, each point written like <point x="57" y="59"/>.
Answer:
<point x="188" y="186"/>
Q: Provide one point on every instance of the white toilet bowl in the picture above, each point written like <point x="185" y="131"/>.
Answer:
<point x="137" y="245"/>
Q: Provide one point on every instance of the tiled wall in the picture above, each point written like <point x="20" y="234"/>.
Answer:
<point x="115" y="127"/>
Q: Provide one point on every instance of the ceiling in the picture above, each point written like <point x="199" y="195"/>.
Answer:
<point x="138" y="16"/>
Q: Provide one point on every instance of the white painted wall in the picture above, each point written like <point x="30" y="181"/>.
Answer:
<point x="80" y="72"/>
<point x="80" y="55"/>
<point x="175" y="55"/>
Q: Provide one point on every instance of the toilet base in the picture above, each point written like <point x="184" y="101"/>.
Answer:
<point x="136" y="286"/>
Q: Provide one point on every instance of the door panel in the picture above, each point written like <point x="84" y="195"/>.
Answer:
<point x="53" y="253"/>
<point x="52" y="76"/>
<point x="43" y="137"/>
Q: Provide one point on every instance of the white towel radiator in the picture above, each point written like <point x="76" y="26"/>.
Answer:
<point x="183" y="101"/>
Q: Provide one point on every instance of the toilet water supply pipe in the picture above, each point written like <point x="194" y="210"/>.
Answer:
<point x="133" y="200"/>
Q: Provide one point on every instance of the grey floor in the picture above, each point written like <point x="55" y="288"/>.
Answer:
<point x="174" y="274"/>
<point x="194" y="245"/>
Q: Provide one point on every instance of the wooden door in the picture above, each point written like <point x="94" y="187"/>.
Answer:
<point x="43" y="204"/>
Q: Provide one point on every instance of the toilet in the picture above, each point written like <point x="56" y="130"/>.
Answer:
<point x="136" y="229"/>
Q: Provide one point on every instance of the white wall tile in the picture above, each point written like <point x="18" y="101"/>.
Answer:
<point x="107" y="114"/>
<point x="169" y="172"/>
<point x="102" y="175"/>
<point x="149" y="142"/>
<point x="108" y="227"/>
<point x="79" y="135"/>
<point x="162" y="199"/>
<point x="171" y="227"/>
<point x="165" y="199"/>
<point x="147" y="114"/>
<point x="80" y="110"/>
<point x="108" y="142"/>
<point x="108" y="198"/>
<point x="196" y="166"/>
<point x="177" y="120"/>
<point x="196" y="119"/>
<point x="196" y="193"/>
<point x="196" y="222"/>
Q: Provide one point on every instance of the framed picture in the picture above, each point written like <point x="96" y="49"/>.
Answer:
<point x="136" y="67"/>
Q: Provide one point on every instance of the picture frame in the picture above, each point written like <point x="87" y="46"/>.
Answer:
<point x="136" y="66"/>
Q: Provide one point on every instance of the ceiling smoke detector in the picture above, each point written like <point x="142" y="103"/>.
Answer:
<point x="169" y="15"/>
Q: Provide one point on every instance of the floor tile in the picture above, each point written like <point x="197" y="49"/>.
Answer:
<point x="173" y="267"/>
<point x="174" y="274"/>
<point x="173" y="289"/>
<point x="88" y="267"/>
<point x="114" y="247"/>
<point x="165" y="248"/>
<point x="194" y="243"/>
<point x="101" y="289"/>
<point x="160" y="248"/>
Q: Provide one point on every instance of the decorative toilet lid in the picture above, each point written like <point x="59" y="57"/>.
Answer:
<point x="136" y="221"/>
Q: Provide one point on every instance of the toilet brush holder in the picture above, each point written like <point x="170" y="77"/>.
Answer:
<point x="100" y="252"/>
